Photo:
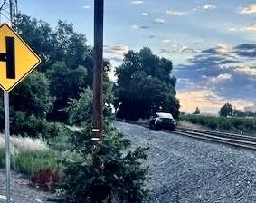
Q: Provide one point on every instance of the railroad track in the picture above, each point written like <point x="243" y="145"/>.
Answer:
<point x="238" y="140"/>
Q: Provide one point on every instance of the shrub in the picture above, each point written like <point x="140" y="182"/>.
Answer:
<point x="108" y="172"/>
<point x="46" y="179"/>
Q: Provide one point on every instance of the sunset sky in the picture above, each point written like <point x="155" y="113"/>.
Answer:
<point x="211" y="43"/>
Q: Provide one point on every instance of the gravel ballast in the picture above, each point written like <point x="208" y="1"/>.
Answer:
<point x="186" y="170"/>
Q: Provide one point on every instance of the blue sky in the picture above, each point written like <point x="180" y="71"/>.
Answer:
<point x="211" y="43"/>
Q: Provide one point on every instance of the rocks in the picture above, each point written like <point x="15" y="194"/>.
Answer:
<point x="20" y="191"/>
<point x="184" y="170"/>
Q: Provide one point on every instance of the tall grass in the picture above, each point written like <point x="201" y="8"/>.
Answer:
<point x="23" y="143"/>
<point x="28" y="155"/>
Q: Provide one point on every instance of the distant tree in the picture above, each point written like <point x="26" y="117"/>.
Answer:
<point x="144" y="86"/>
<point x="239" y="113"/>
<point x="226" y="110"/>
<point x="197" y="111"/>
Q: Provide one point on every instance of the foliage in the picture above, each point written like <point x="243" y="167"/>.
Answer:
<point x="46" y="179"/>
<point x="116" y="175"/>
<point x="35" y="33"/>
<point x="226" y="110"/>
<point x="197" y="111"/>
<point x="80" y="110"/>
<point x="35" y="95"/>
<point x="30" y="161"/>
<point x="107" y="171"/>
<point x="67" y="60"/>
<point x="26" y="125"/>
<point x="236" y="124"/>
<point x="144" y="86"/>
<point x="28" y="116"/>
<point x="2" y="158"/>
<point x="65" y="84"/>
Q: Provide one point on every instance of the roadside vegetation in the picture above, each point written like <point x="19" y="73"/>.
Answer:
<point x="51" y="117"/>
<point x="230" y="124"/>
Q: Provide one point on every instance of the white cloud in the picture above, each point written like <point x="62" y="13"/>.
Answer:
<point x="135" y="26"/>
<point x="115" y="54"/>
<point x="183" y="48"/>
<point x="209" y="6"/>
<point x="86" y="7"/>
<point x="220" y="78"/>
<point x="136" y="2"/>
<point x="204" y="7"/>
<point x="250" y="27"/>
<point x="222" y="49"/>
<point x="117" y="49"/>
<point x="248" y="9"/>
<point x="232" y="29"/>
<point x="144" y="14"/>
<point x="246" y="70"/>
<point x="159" y="21"/>
<point x="166" y="40"/>
<point x="173" y="12"/>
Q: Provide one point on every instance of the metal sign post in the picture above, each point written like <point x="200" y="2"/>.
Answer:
<point x="7" y="146"/>
<point x="13" y="51"/>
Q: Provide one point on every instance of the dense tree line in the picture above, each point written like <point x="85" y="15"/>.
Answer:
<point x="66" y="70"/>
<point x="144" y="86"/>
<point x="144" y="81"/>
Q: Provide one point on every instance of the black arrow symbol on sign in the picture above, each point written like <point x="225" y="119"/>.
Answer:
<point x="8" y="57"/>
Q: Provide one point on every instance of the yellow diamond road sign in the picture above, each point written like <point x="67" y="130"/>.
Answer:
<point x="17" y="59"/>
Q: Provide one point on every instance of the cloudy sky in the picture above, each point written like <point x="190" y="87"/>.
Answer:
<point x="210" y="42"/>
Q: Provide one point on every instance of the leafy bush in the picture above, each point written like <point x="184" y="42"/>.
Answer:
<point x="108" y="172"/>
<point x="29" y="125"/>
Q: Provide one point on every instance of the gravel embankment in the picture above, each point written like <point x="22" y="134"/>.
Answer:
<point x="185" y="170"/>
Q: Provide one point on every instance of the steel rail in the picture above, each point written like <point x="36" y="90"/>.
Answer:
<point x="243" y="141"/>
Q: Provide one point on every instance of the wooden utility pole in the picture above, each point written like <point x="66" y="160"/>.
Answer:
<point x="97" y="70"/>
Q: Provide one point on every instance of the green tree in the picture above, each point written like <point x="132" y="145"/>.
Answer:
<point x="65" y="84"/>
<point x="34" y="92"/>
<point x="197" y="111"/>
<point x="144" y="86"/>
<point x="30" y="101"/>
<point x="107" y="172"/>
<point x="226" y="110"/>
<point x="239" y="113"/>
<point x="67" y="59"/>
<point x="37" y="34"/>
